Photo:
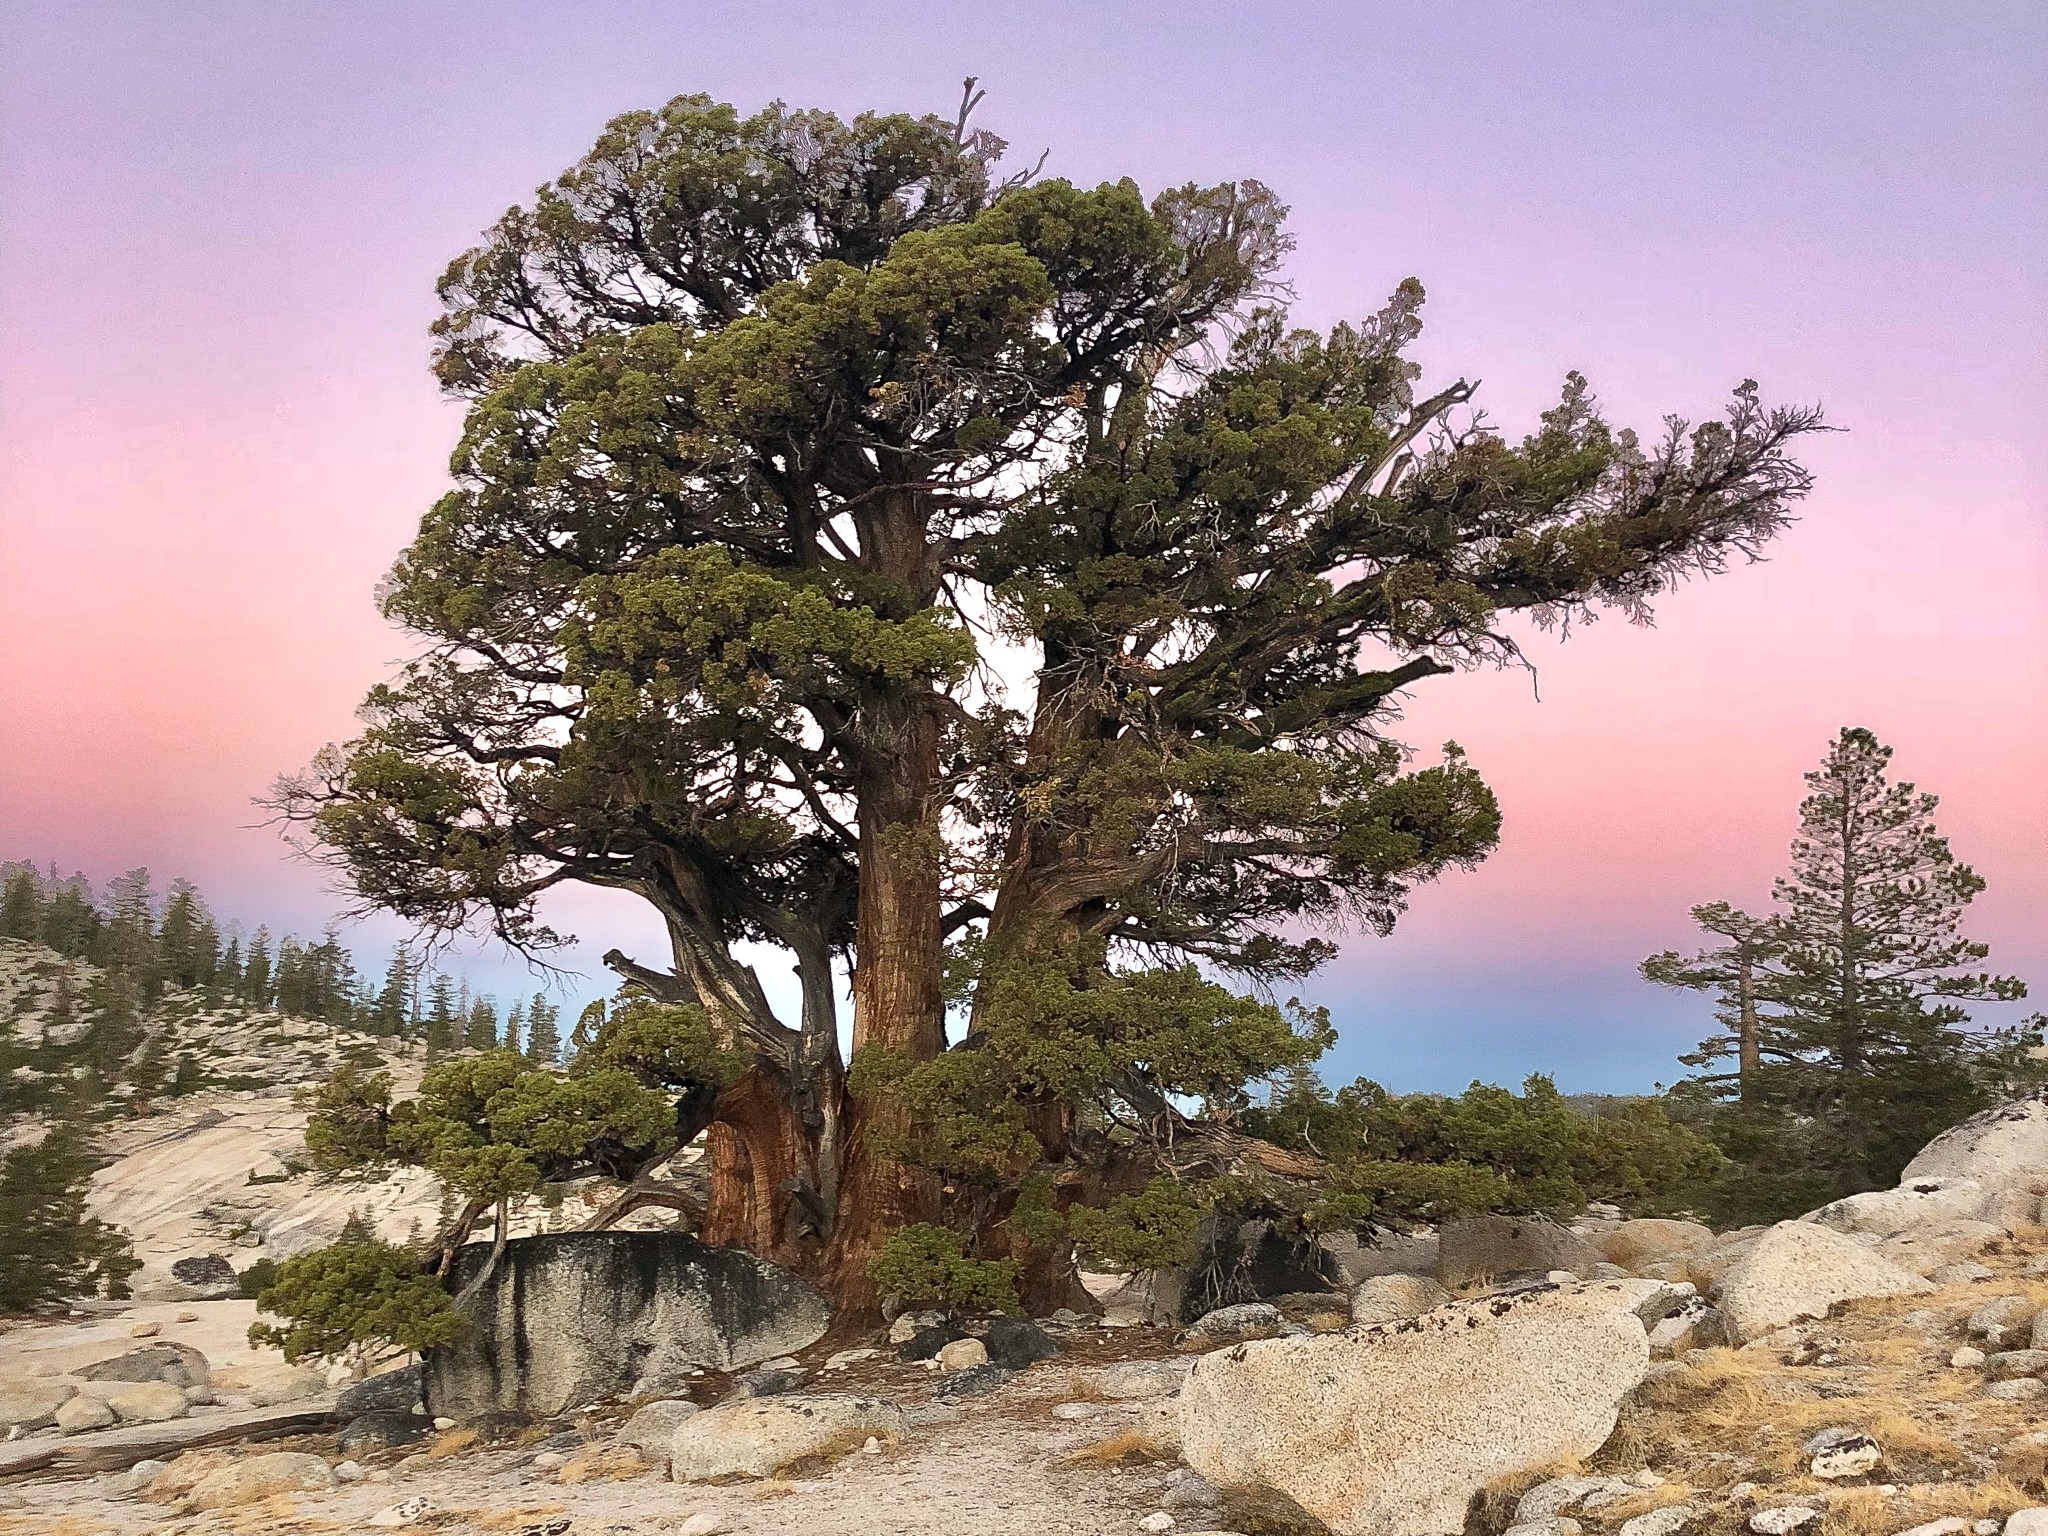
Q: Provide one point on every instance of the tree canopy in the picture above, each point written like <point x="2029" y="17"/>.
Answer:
<point x="977" y="583"/>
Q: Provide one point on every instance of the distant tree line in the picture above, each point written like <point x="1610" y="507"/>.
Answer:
<point x="145" y="947"/>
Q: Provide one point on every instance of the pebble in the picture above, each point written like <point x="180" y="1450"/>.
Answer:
<point x="186" y="1317"/>
<point x="348" y="1472"/>
<point x="1969" y="1357"/>
<point x="404" y="1512"/>
<point x="1076" y="1410"/>
<point x="704" y="1523"/>
<point x="1783" y="1520"/>
<point x="1851" y="1457"/>
<point x="1158" y="1520"/>
<point x="547" y="1461"/>
<point x="1668" y="1521"/>
<point x="1953" y="1525"/>
<point x="871" y="1446"/>
<point x="846" y="1357"/>
<point x="444" y="1423"/>
<point x="145" y="1330"/>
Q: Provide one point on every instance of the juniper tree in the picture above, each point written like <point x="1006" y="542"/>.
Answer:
<point x="974" y="582"/>
<point x="1857" y="979"/>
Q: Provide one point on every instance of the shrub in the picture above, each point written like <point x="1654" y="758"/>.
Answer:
<point x="359" y="1298"/>
<point x="924" y="1263"/>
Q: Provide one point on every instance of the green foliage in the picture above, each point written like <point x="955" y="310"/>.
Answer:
<point x="256" y="1279"/>
<point x="925" y="1263"/>
<point x="357" y="1295"/>
<point x="349" y="1115"/>
<point x="50" y="1249"/>
<point x="660" y="1043"/>
<point x="1424" y="1157"/>
<point x="1152" y="1228"/>
<point x="494" y="1126"/>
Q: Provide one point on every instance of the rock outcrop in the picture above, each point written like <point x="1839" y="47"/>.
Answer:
<point x="757" y="1437"/>
<point x="1799" y="1269"/>
<point x="578" y="1317"/>
<point x="1389" y="1431"/>
<point x="1497" y="1247"/>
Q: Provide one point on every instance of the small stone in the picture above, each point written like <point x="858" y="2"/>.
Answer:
<point x="444" y="1423"/>
<point x="82" y="1414"/>
<point x="186" y="1317"/>
<point x="1953" y="1525"/>
<point x="703" y="1523"/>
<point x="1968" y="1358"/>
<point x="653" y="1426"/>
<point x="2018" y="1362"/>
<point x="1555" y="1525"/>
<point x="1996" y="1319"/>
<point x="404" y="1512"/>
<point x="1158" y="1520"/>
<point x="2020" y="1389"/>
<point x="911" y="1324"/>
<point x="1072" y="1411"/>
<point x="1018" y="1343"/>
<point x="1852" y="1457"/>
<point x="973" y="1381"/>
<point x="962" y="1354"/>
<point x="1668" y="1521"/>
<point x="145" y="1330"/>
<point x="547" y="1461"/>
<point x="871" y="1446"/>
<point x="1742" y="1493"/>
<point x="1245" y="1317"/>
<point x="768" y="1381"/>
<point x="348" y="1472"/>
<point x="1783" y="1520"/>
<point x="2028" y="1522"/>
<point x="1984" y="1528"/>
<point x="1961" y="1274"/>
<point x="780" y="1363"/>
<point x="141" y="1475"/>
<point x="846" y="1357"/>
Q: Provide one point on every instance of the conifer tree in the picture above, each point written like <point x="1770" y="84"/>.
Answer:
<point x="71" y="924"/>
<point x="543" y="1031"/>
<point x="480" y="1032"/>
<point x="258" y="986"/>
<point x="50" y="1249"/>
<point x="230" y="980"/>
<point x="1856" y="980"/>
<point x="21" y="904"/>
<point x="515" y="1028"/>
<point x="772" y="419"/>
<point x="393" y="1014"/>
<point x="440" y="1016"/>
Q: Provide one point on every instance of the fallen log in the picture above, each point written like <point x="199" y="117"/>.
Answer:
<point x="116" y="1450"/>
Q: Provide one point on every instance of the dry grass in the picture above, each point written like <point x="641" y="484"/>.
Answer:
<point x="1126" y="1445"/>
<point x="509" y="1519"/>
<point x="603" y="1465"/>
<point x="1082" y="1387"/>
<point x="1872" y="1512"/>
<point x="452" y="1442"/>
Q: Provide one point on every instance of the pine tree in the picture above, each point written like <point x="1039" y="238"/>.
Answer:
<point x="21" y="904"/>
<point x="50" y="1249"/>
<point x="480" y="1030"/>
<point x="440" y="1020"/>
<point x="229" y="980"/>
<point x="543" y="1030"/>
<point x="186" y="946"/>
<point x="393" y="1013"/>
<point x="515" y="1028"/>
<point x="71" y="923"/>
<point x="257" y="985"/>
<point x="1856" y="980"/>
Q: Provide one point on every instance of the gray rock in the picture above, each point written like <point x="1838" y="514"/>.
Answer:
<point x="1997" y="1319"/>
<point x="1395" y="1428"/>
<point x="2021" y="1389"/>
<point x="289" y="1386"/>
<point x="768" y="1381"/>
<point x="381" y="1429"/>
<point x="1801" y="1269"/>
<point x="1555" y="1525"/>
<point x="973" y="1381"/>
<point x="2037" y="1336"/>
<point x="1961" y="1274"/>
<point x="389" y="1392"/>
<point x="2018" y="1362"/>
<point x="1380" y="1251"/>
<point x="1188" y="1491"/>
<point x="2001" y="1148"/>
<point x="1651" y="1240"/>
<point x="179" y="1364"/>
<point x="33" y="1404"/>
<point x="260" y="1477"/>
<point x="1015" y="1343"/>
<point x="579" y="1317"/>
<point x="909" y="1325"/>
<point x="83" y="1413"/>
<point x="1500" y="1247"/>
<point x="1561" y="1495"/>
<point x="1783" y="1520"/>
<point x="1668" y="1521"/>
<point x="926" y="1343"/>
<point x="1848" y="1456"/>
<point x="2027" y="1522"/>
<point x="210" y="1277"/>
<point x="1388" y="1298"/>
<point x="1244" y="1317"/>
<point x="757" y="1437"/>
<point x="146" y="1402"/>
<point x="652" y="1427"/>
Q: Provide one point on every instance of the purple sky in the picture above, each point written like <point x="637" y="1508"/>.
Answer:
<point x="219" y="226"/>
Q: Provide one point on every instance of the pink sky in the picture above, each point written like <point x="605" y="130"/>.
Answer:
<point x="219" y="227"/>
